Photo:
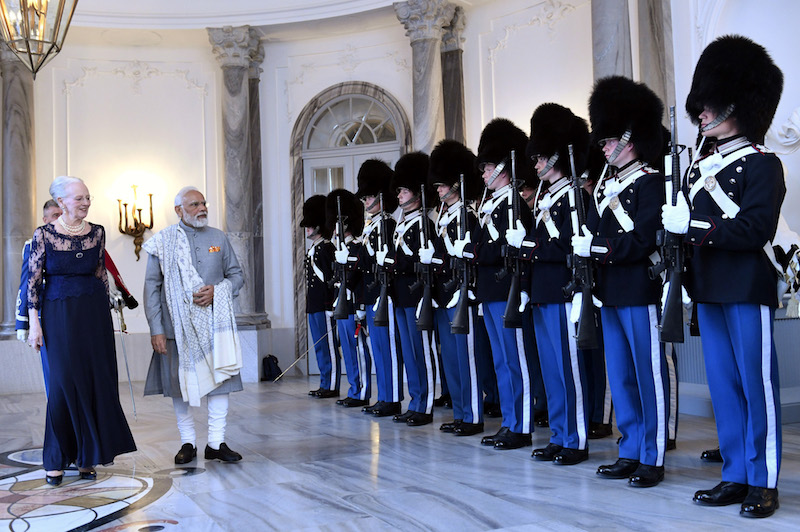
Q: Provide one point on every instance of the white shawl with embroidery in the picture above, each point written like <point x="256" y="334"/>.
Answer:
<point x="208" y="344"/>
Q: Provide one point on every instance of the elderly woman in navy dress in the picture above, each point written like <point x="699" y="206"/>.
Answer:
<point x="68" y="285"/>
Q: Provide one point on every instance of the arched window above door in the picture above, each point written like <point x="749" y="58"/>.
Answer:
<point x="350" y="120"/>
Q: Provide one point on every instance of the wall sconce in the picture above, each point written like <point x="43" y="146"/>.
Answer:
<point x="138" y="227"/>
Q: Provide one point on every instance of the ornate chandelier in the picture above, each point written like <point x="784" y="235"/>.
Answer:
<point x="35" y="29"/>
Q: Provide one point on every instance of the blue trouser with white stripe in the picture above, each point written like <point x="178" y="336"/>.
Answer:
<point x="460" y="368"/>
<point x="387" y="355"/>
<point x="599" y="405"/>
<point x="742" y="371"/>
<point x="418" y="356"/>
<point x="532" y="351"/>
<point x="357" y="361"/>
<point x="637" y="372"/>
<point x="328" y="361"/>
<point x="514" y="374"/>
<point x="564" y="375"/>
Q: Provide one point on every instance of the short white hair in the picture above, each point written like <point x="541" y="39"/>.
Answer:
<point x="182" y="193"/>
<point x="58" y="188"/>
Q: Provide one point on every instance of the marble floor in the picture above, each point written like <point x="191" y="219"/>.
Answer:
<point x="311" y="465"/>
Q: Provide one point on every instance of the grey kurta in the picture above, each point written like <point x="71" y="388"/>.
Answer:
<point x="214" y="260"/>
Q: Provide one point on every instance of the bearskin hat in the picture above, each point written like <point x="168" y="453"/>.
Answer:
<point x="618" y="104"/>
<point x="553" y="129"/>
<point x="735" y="70"/>
<point x="449" y="159"/>
<point x="595" y="162"/>
<point x="352" y="212"/>
<point x="374" y="177"/>
<point x="411" y="172"/>
<point x="498" y="138"/>
<point x="314" y="214"/>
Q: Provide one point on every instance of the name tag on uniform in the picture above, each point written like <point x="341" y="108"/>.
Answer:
<point x="213" y="249"/>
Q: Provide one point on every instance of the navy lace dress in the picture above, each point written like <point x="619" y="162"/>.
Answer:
<point x="85" y="423"/>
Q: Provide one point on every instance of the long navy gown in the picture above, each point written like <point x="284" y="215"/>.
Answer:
<point x="85" y="423"/>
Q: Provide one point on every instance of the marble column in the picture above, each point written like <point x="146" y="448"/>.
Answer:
<point x="656" y="58"/>
<point x="18" y="177"/>
<point x="234" y="48"/>
<point x="453" y="78"/>
<point x="611" y="38"/>
<point x="256" y="58"/>
<point x="424" y="20"/>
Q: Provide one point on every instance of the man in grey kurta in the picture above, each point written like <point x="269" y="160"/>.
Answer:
<point x="214" y="260"/>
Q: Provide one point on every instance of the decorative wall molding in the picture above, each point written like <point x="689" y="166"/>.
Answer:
<point x="547" y="14"/>
<point x="349" y="60"/>
<point x="136" y="72"/>
<point x="785" y="138"/>
<point x="424" y="19"/>
<point x="707" y="14"/>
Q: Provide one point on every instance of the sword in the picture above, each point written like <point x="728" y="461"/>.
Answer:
<point x="118" y="304"/>
<point x="301" y="357"/>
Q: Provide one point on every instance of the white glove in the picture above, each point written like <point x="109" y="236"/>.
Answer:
<point x="375" y="306"/>
<point x="676" y="219"/>
<point x="380" y="255"/>
<point x="22" y="335"/>
<point x="341" y="254"/>
<point x="454" y="300"/>
<point x="361" y="314"/>
<point x="449" y="246"/>
<point x="582" y="245"/>
<point x="685" y="299"/>
<point x="515" y="236"/>
<point x="459" y="245"/>
<point x="426" y="254"/>
<point x="524" y="299"/>
<point x="577" y="303"/>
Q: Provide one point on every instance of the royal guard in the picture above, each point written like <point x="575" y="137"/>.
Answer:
<point x="729" y="213"/>
<point x="620" y="238"/>
<point x="344" y="216"/>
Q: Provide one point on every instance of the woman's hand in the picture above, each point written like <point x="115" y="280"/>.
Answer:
<point x="35" y="336"/>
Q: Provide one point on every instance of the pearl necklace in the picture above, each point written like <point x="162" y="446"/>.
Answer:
<point x="72" y="229"/>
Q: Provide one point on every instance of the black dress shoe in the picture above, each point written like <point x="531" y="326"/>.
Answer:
<point x="402" y="418"/>
<point x="315" y="393"/>
<point x="468" y="429"/>
<point x="340" y="402"/>
<point x="492" y="410"/>
<point x="512" y="440"/>
<point x="450" y="427"/>
<point x="88" y="475"/>
<point x="546" y="454"/>
<point x="369" y="408"/>
<point x="54" y="480"/>
<point x="722" y="494"/>
<point x="760" y="502"/>
<point x="599" y="430"/>
<point x="646" y="476"/>
<point x="622" y="468"/>
<point x="224" y="453"/>
<point x="571" y="456"/>
<point x="711" y="455"/>
<point x="418" y="419"/>
<point x="326" y="394"/>
<point x="351" y="402"/>
<point x="187" y="453"/>
<point x="489" y="440"/>
<point x="443" y="401"/>
<point x="386" y="409"/>
<point x="672" y="445"/>
<point x="540" y="418"/>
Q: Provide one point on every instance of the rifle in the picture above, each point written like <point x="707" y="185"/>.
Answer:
<point x="341" y="311"/>
<point x="425" y="320"/>
<point x="671" y="245"/>
<point x="381" y="318"/>
<point x="582" y="279"/>
<point x="460" y="323"/>
<point x="512" y="317"/>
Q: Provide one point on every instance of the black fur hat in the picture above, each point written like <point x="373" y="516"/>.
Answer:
<point x="553" y="129"/>
<point x="352" y="212"/>
<point x="595" y="162"/>
<point x="735" y="70"/>
<point x="411" y="172"/>
<point x="498" y="138"/>
<point x="449" y="159"/>
<point x="374" y="177"/>
<point x="618" y="104"/>
<point x="314" y="214"/>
